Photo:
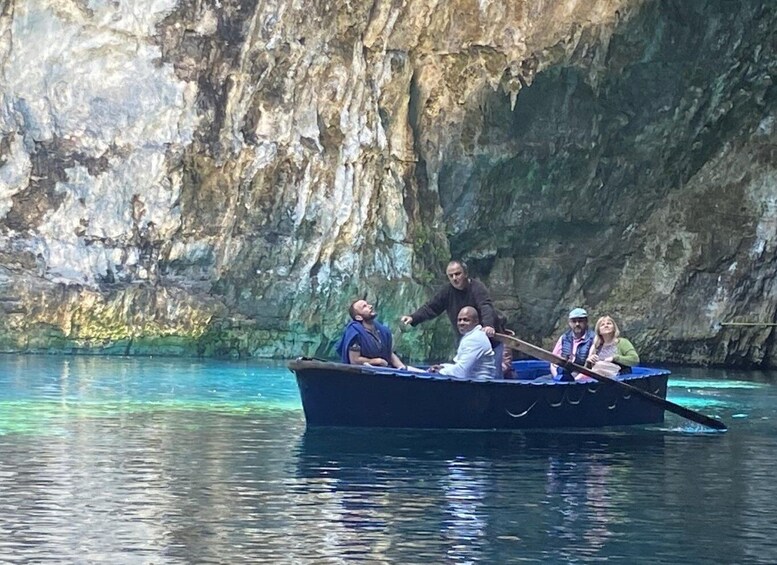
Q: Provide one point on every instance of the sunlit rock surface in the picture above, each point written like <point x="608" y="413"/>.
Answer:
<point x="222" y="177"/>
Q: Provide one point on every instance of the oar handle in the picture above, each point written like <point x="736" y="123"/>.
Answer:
<point x="540" y="353"/>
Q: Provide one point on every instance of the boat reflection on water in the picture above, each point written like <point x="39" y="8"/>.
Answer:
<point x="473" y="492"/>
<point x="352" y="444"/>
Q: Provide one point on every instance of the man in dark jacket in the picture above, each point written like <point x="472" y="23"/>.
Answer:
<point x="460" y="291"/>
<point x="366" y="341"/>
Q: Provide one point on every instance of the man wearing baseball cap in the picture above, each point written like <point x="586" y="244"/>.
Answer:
<point x="574" y="344"/>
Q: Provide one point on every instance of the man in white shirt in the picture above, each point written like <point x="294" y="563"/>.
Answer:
<point x="474" y="357"/>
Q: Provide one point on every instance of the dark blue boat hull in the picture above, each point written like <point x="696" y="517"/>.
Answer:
<point x="345" y="395"/>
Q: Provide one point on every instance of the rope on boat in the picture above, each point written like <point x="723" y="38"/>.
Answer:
<point x="573" y="402"/>
<point x="522" y="414"/>
<point x="564" y="396"/>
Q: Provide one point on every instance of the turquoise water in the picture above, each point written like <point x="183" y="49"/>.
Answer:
<point x="187" y="461"/>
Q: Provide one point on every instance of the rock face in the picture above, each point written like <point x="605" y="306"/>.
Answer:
<point x="222" y="177"/>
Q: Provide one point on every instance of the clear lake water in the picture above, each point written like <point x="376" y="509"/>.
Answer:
<point x="151" y="460"/>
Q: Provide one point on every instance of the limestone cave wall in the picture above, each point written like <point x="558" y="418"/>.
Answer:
<point x="222" y="177"/>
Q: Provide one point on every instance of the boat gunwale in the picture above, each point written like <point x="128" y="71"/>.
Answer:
<point x="303" y="364"/>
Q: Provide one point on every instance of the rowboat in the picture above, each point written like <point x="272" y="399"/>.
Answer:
<point x="335" y="394"/>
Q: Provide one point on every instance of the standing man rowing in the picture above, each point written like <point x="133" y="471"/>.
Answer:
<point x="459" y="292"/>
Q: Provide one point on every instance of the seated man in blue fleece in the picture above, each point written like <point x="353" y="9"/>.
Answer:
<point x="366" y="341"/>
<point x="474" y="357"/>
<point x="573" y="345"/>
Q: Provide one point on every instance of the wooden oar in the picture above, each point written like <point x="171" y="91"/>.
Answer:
<point x="538" y="353"/>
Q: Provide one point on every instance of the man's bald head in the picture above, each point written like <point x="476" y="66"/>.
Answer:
<point x="467" y="319"/>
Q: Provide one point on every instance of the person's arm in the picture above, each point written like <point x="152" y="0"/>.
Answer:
<point x="433" y="308"/>
<point x="470" y="350"/>
<point x="507" y="359"/>
<point x="593" y="357"/>
<point x="557" y="353"/>
<point x="626" y="354"/>
<point x="484" y="305"/>
<point x="356" y="358"/>
<point x="396" y="362"/>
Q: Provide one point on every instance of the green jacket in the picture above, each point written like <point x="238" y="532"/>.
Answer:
<point x="626" y="354"/>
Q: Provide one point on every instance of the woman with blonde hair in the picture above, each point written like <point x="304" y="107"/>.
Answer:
<point x="609" y="347"/>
